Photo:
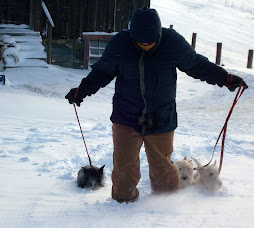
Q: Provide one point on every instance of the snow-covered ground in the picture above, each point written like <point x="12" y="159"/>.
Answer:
<point x="41" y="148"/>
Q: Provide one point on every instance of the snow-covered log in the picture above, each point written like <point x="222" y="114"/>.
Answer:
<point x="6" y="40"/>
<point x="10" y="55"/>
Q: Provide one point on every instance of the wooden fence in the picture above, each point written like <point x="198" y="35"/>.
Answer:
<point x="219" y="51"/>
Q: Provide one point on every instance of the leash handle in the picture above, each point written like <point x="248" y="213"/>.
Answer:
<point x="76" y="92"/>
<point x="75" y="95"/>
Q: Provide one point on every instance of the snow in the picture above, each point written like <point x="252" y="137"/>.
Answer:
<point x="41" y="148"/>
<point x="11" y="55"/>
<point x="213" y="22"/>
<point x="45" y="9"/>
<point x="11" y="26"/>
<point x="99" y="33"/>
<point x="9" y="50"/>
<point x="7" y="40"/>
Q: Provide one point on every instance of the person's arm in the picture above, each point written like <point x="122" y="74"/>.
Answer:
<point x="199" y="67"/>
<point x="103" y="72"/>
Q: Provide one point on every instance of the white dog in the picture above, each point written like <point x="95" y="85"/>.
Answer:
<point x="207" y="177"/>
<point x="186" y="169"/>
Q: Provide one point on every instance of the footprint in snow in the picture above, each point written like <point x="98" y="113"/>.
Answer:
<point x="24" y="159"/>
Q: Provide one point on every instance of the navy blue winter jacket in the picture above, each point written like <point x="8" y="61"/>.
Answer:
<point x="145" y="87"/>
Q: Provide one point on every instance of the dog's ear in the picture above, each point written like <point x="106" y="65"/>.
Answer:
<point x="198" y="163"/>
<point x="190" y="161"/>
<point x="214" y="163"/>
<point x="101" y="169"/>
<point x="185" y="158"/>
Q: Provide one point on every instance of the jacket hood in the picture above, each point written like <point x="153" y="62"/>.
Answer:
<point x="145" y="26"/>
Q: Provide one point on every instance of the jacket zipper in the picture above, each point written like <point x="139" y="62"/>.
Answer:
<point x="142" y="87"/>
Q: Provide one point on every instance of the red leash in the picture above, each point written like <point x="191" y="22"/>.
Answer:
<point x="76" y="93"/>
<point x="224" y="128"/>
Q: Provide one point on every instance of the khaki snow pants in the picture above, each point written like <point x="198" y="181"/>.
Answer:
<point x="164" y="176"/>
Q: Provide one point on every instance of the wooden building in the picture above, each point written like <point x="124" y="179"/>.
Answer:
<point x="71" y="17"/>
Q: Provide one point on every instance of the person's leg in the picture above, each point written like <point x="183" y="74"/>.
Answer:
<point x="126" y="165"/>
<point x="164" y="175"/>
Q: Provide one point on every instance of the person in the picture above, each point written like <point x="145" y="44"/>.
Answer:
<point x="143" y="59"/>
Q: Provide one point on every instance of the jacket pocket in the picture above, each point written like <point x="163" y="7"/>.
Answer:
<point x="128" y="109"/>
<point x="165" y="115"/>
<point x="131" y="71"/>
<point x="166" y="75"/>
<point x="130" y="78"/>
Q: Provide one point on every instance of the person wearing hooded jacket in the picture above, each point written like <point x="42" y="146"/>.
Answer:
<point x="143" y="59"/>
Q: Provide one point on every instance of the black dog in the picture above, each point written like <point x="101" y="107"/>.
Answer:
<point x="90" y="177"/>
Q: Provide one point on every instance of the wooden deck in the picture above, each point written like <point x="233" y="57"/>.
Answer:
<point x="29" y="44"/>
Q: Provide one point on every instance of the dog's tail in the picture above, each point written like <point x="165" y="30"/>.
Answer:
<point x="198" y="163"/>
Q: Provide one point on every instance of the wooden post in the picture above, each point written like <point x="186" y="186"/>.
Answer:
<point x="171" y="26"/>
<point x="250" y="59"/>
<point x="49" y="43"/>
<point x="194" y="37"/>
<point x="86" y="53"/>
<point x="31" y="14"/>
<point x="218" y="53"/>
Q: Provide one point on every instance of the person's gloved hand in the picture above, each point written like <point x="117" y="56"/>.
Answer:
<point x="71" y="96"/>
<point x="234" y="82"/>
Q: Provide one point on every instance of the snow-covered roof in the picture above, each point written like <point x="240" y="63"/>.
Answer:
<point x="100" y="33"/>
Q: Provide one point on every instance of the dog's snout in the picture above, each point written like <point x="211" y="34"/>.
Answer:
<point x="184" y="178"/>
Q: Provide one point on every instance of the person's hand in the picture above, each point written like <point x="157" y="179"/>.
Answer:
<point x="234" y="82"/>
<point x="71" y="97"/>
